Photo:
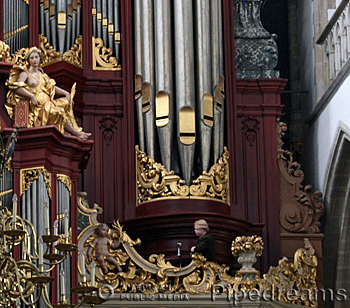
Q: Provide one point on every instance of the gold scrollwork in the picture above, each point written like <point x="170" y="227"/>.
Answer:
<point x="4" y="52"/>
<point x="50" y="55"/>
<point x="66" y="180"/>
<point x="295" y="283"/>
<point x="102" y="56"/>
<point x="28" y="176"/>
<point x="156" y="275"/>
<point x="75" y="54"/>
<point x="154" y="181"/>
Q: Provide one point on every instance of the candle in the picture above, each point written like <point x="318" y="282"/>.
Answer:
<point x="82" y="262"/>
<point x="92" y="273"/>
<point x="55" y="232"/>
<point x="62" y="280"/>
<point x="66" y="223"/>
<point x="55" y="227"/>
<point x="14" y="208"/>
<point x="41" y="251"/>
<point x="47" y="215"/>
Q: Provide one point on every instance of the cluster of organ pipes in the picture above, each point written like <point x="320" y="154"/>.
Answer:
<point x="106" y="24"/>
<point x="16" y="23"/>
<point x="179" y="82"/>
<point x="60" y="22"/>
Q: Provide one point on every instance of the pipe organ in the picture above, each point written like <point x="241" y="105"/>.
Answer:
<point x="60" y="22"/>
<point x="106" y="24"/>
<point x="179" y="83"/>
<point x="16" y="23"/>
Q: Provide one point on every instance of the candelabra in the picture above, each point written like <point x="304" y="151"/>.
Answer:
<point x="27" y="260"/>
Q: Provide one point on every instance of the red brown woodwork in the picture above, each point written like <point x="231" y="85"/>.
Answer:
<point x="59" y="154"/>
<point x="258" y="106"/>
<point x="161" y="233"/>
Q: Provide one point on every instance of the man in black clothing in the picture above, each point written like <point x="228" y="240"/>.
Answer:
<point x="205" y="244"/>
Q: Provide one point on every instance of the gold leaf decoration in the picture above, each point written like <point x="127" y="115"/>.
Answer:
<point x="102" y="56"/>
<point x="75" y="54"/>
<point x="66" y="180"/>
<point x="50" y="55"/>
<point x="4" y="52"/>
<point x="154" y="181"/>
<point x="247" y="244"/>
<point x="28" y="176"/>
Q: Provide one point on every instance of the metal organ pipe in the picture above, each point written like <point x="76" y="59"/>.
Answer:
<point x="217" y="73"/>
<point x="69" y="20"/>
<point x="147" y="72"/>
<point x="110" y="25"/>
<point x="164" y="79"/>
<point x="138" y="77"/>
<point x="117" y="29"/>
<point x="185" y="87"/>
<point x="204" y="99"/>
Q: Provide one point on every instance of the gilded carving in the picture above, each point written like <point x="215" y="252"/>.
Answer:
<point x="50" y="55"/>
<point x="66" y="180"/>
<point x="300" y="207"/>
<point x="247" y="244"/>
<point x="156" y="275"/>
<point x="154" y="181"/>
<point x="4" y="52"/>
<point x="75" y="54"/>
<point x="295" y="283"/>
<point x="28" y="176"/>
<point x="215" y="183"/>
<point x="102" y="56"/>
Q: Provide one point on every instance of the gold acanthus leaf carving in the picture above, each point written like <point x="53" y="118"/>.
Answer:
<point x="66" y="180"/>
<point x="4" y="52"/>
<point x="215" y="183"/>
<point x="156" y="275"/>
<point x="50" y="55"/>
<point x="297" y="279"/>
<point x="102" y="56"/>
<point x="154" y="181"/>
<point x="75" y="54"/>
<point x="28" y="176"/>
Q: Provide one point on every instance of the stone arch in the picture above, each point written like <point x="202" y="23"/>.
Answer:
<point x="336" y="248"/>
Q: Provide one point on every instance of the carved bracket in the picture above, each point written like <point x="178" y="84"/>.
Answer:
<point x="300" y="209"/>
<point x="154" y="181"/>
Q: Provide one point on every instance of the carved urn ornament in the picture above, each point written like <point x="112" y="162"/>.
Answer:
<point x="256" y="49"/>
<point x="247" y="248"/>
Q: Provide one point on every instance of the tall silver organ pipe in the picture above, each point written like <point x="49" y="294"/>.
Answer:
<point x="16" y="23"/>
<point x="217" y="74"/>
<point x="182" y="42"/>
<point x="138" y="77"/>
<point x="106" y="24"/>
<point x="185" y="86"/>
<point x="204" y="80"/>
<point x="6" y="184"/>
<point x="164" y="79"/>
<point x="147" y="73"/>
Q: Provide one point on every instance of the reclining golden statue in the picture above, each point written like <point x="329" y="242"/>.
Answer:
<point x="31" y="83"/>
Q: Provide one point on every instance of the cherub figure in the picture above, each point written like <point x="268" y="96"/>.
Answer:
<point x="100" y="245"/>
